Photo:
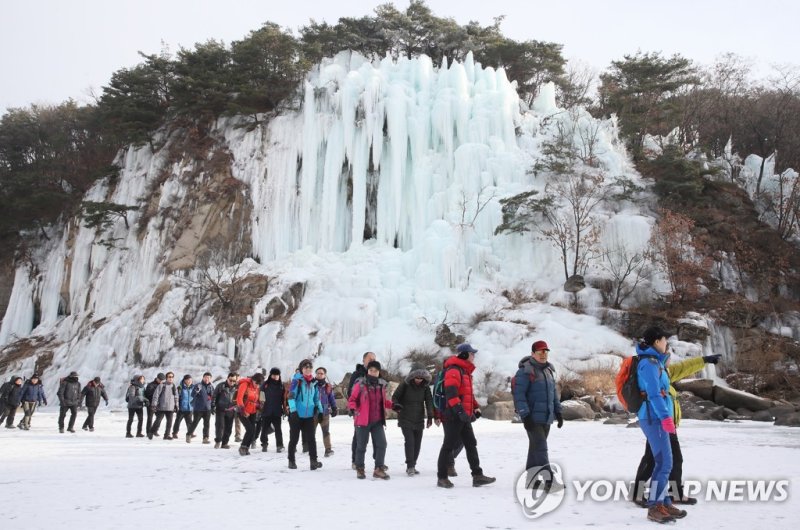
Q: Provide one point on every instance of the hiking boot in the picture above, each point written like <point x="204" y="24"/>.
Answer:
<point x="71" y="430"/>
<point x="685" y="500"/>
<point x="91" y="429"/>
<point x="315" y="464"/>
<point x="380" y="473"/>
<point x="292" y="464"/>
<point x="86" y="428"/>
<point x="167" y="437"/>
<point x="188" y="438"/>
<point x="128" y="435"/>
<point x="674" y="512"/>
<point x="10" y="427"/>
<point x="149" y="436"/>
<point x="328" y="452"/>
<point x="451" y="471"/>
<point x="244" y="451"/>
<point x="410" y="471"/>
<point x="226" y="446"/>
<point x="263" y="448"/>
<point x="60" y="429"/>
<point x="280" y="449"/>
<point x="444" y="483"/>
<point x="385" y="468"/>
<point x="216" y="445"/>
<point x="658" y="513"/>
<point x="206" y="441"/>
<point x="139" y="435"/>
<point x="360" y="473"/>
<point x="482" y="480"/>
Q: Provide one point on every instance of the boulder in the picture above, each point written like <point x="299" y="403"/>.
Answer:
<point x="634" y="425"/>
<point x="763" y="415"/>
<point x="734" y="399"/>
<point x="789" y="420"/>
<point x="341" y="404"/>
<point x="692" y="331"/>
<point x="618" y="420"/>
<point x="500" y="396"/>
<point x="576" y="410"/>
<point x="782" y="410"/>
<point x="699" y="387"/>
<point x="574" y="284"/>
<point x="741" y="411"/>
<point x="499" y="411"/>
<point x="446" y="338"/>
<point x="597" y="402"/>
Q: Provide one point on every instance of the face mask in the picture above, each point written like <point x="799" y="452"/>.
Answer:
<point x="372" y="379"/>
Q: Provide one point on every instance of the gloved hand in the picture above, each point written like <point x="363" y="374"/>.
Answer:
<point x="527" y="422"/>
<point x="334" y="412"/>
<point x="559" y="420"/>
<point x="712" y="359"/>
<point x="320" y="417"/>
<point x="458" y="410"/>
<point x="478" y="413"/>
<point x="293" y="417"/>
<point x="397" y="407"/>
<point x="668" y="425"/>
<point x="429" y="423"/>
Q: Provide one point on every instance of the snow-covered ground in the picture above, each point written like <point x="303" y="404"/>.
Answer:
<point x="103" y="480"/>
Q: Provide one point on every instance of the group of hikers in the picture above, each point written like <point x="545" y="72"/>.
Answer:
<point x="259" y="403"/>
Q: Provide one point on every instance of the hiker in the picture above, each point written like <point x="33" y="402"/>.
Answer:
<point x="136" y="401"/>
<point x="223" y="405"/>
<point x="32" y="395"/>
<point x="329" y="410"/>
<point x="149" y="390"/>
<point x="676" y="371"/>
<point x="69" y="398"/>
<point x="185" y="405"/>
<point x="413" y="400"/>
<point x="92" y="392"/>
<point x="274" y="396"/>
<point x="367" y="403"/>
<point x="460" y="411"/>
<point x="247" y="408"/>
<point x="656" y="421"/>
<point x="304" y="404"/>
<point x="537" y="402"/>
<point x="358" y="373"/>
<point x="164" y="403"/>
<point x="10" y="400"/>
<point x="237" y="424"/>
<point x="202" y="396"/>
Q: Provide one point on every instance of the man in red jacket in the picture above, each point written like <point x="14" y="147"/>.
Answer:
<point x="460" y="412"/>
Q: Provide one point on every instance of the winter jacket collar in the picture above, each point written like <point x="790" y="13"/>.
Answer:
<point x="419" y="372"/>
<point x="464" y="364"/>
<point x="651" y="352"/>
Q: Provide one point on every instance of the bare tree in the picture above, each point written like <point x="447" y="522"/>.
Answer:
<point x="627" y="269"/>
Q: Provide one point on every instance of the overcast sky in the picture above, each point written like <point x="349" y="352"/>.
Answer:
<point x="58" y="49"/>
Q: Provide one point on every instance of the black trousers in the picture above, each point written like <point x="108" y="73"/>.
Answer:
<point x="647" y="465"/>
<point x="131" y="414"/>
<point x="150" y="416"/>
<point x="249" y="424"/>
<point x="157" y="423"/>
<point x="8" y="414"/>
<point x="89" y="421"/>
<point x="413" y="443"/>
<point x="223" y="425"/>
<point x="206" y="417"/>
<point x="73" y="410"/>
<point x="456" y="431"/>
<point x="537" y="446"/>
<point x="182" y="415"/>
<point x="306" y="426"/>
<point x="275" y="423"/>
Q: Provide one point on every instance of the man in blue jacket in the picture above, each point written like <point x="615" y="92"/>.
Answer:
<point x="32" y="395"/>
<point x="538" y="404"/>
<point x="185" y="405"/>
<point x="202" y="396"/>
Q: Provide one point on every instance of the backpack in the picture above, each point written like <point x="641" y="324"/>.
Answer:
<point x="627" y="383"/>
<point x="439" y="399"/>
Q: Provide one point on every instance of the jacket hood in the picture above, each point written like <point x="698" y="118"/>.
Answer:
<point x="529" y="361"/>
<point x="418" y="371"/>
<point x="523" y="361"/>
<point x="643" y="350"/>
<point x="464" y="364"/>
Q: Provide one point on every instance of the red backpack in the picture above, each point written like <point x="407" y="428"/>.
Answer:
<point x="627" y="383"/>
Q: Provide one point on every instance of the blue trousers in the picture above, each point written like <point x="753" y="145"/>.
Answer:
<point x="661" y="448"/>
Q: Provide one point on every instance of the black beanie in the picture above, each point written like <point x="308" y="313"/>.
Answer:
<point x="374" y="364"/>
<point x="275" y="371"/>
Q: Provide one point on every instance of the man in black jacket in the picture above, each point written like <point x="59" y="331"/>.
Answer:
<point x="223" y="404"/>
<point x="358" y="373"/>
<point x="69" y="397"/>
<point x="149" y="390"/>
<point x="10" y="400"/>
<point x="92" y="393"/>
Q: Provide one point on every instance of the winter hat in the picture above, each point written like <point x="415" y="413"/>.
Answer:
<point x="652" y="334"/>
<point x="73" y="374"/>
<point x="464" y="350"/>
<point x="540" y="345"/>
<point x="274" y="371"/>
<point x="97" y="379"/>
<point x="374" y="364"/>
<point x="161" y="376"/>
